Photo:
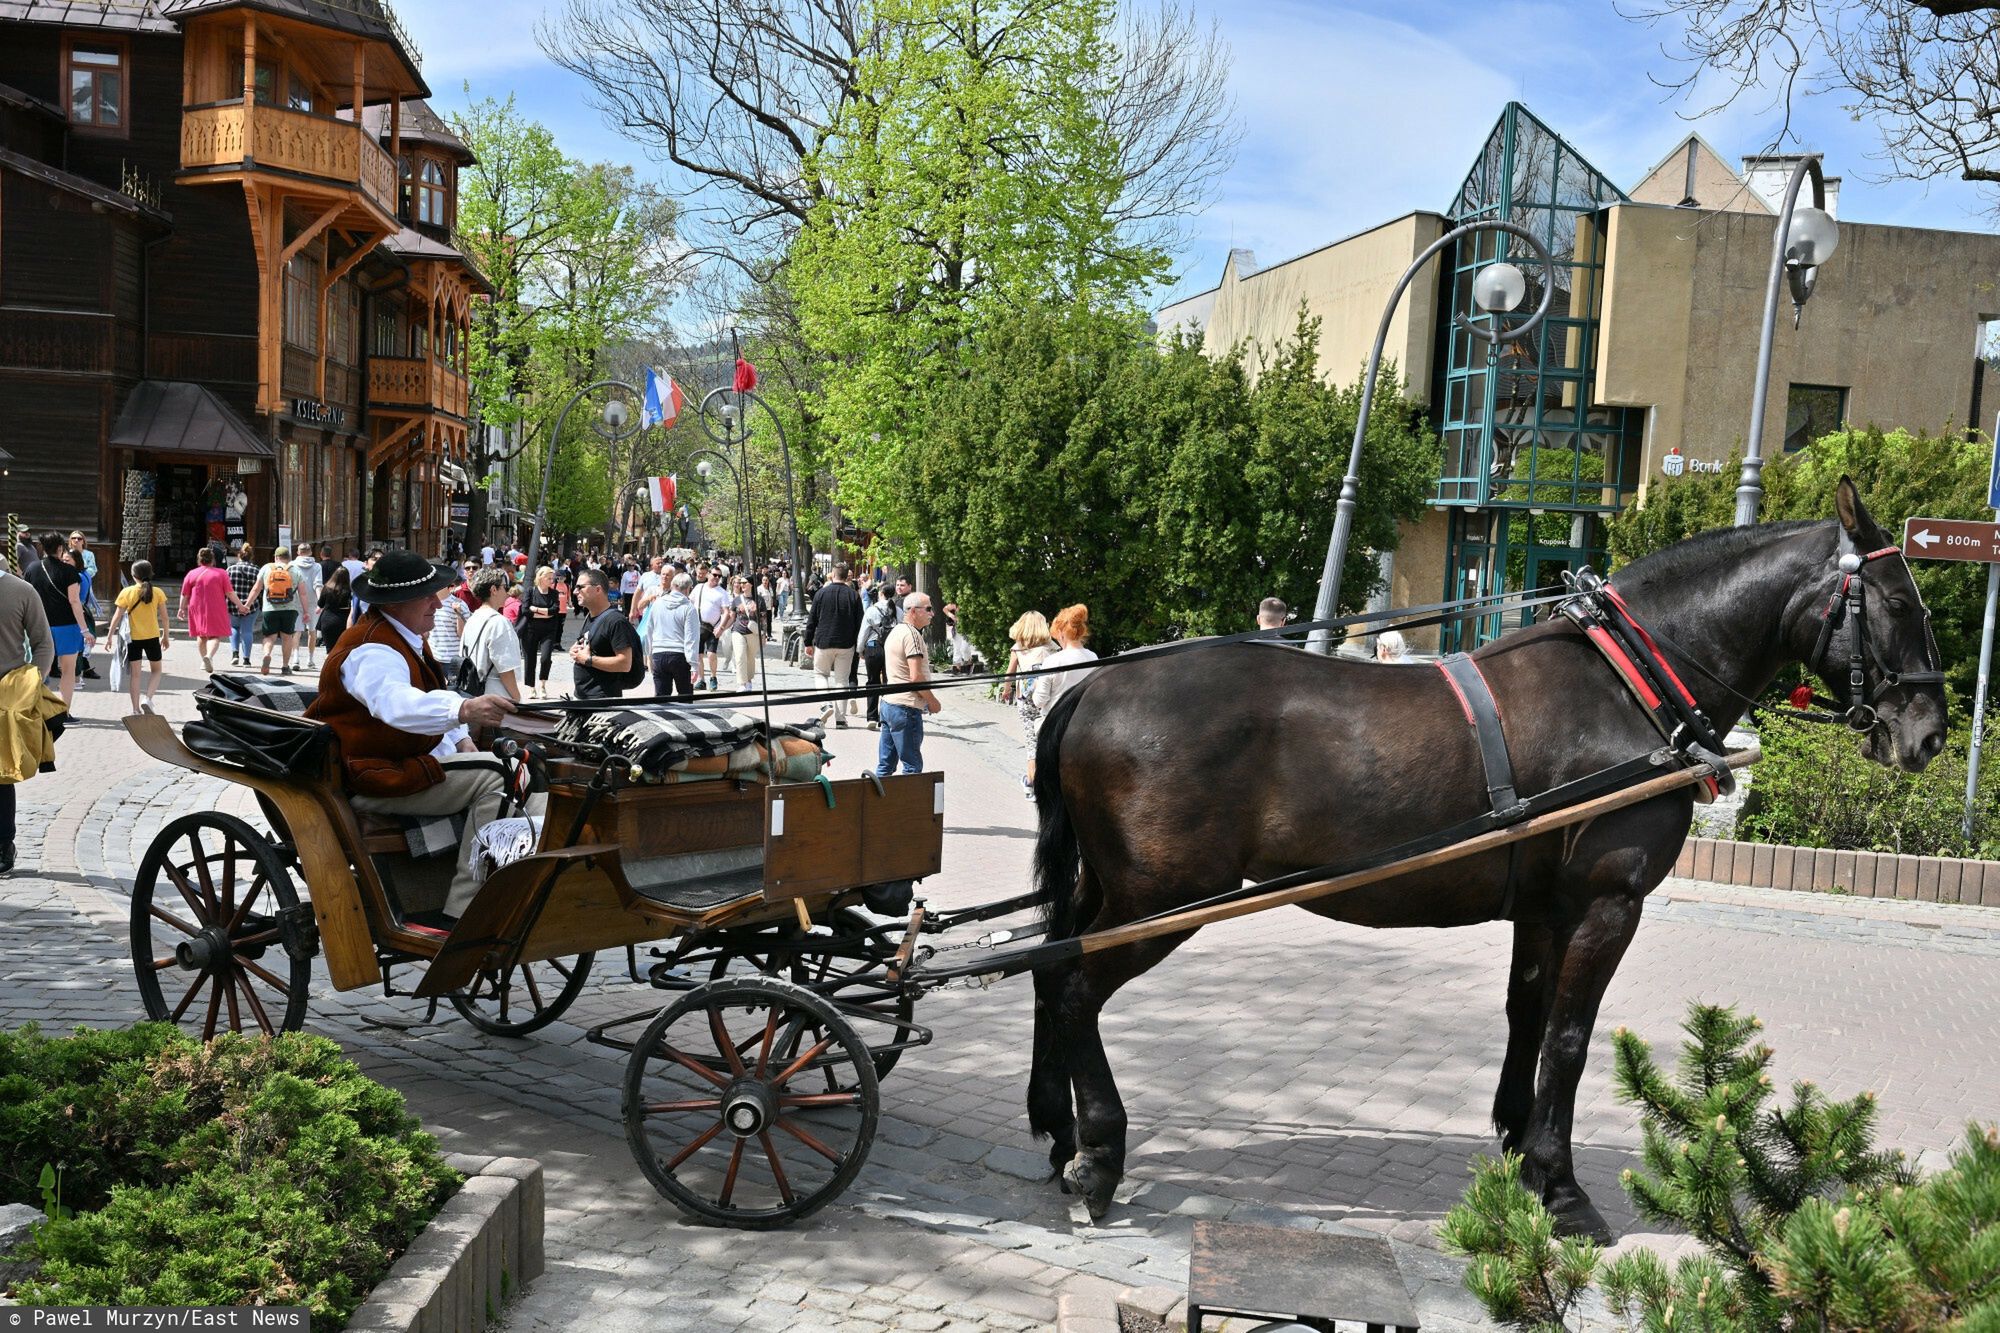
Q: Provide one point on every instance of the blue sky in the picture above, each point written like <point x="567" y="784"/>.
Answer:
<point x="1352" y="113"/>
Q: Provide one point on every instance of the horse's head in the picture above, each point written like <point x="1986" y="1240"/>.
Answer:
<point x="1880" y="661"/>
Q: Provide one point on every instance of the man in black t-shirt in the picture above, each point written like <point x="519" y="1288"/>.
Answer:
<point x="609" y="647"/>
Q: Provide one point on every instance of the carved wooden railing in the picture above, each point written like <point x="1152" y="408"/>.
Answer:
<point x="398" y="379"/>
<point x="285" y="140"/>
<point x="416" y="382"/>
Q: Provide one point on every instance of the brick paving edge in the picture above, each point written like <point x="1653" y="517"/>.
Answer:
<point x="482" y="1249"/>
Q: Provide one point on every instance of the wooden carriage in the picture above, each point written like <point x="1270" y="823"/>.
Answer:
<point x="619" y="864"/>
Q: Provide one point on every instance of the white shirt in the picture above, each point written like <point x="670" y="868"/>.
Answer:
<point x="1048" y="689"/>
<point x="486" y="554"/>
<point x="709" y="602"/>
<point x="376" y="675"/>
<point x="493" y="647"/>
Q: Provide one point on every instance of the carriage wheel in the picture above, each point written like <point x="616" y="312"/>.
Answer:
<point x="209" y="912"/>
<point x="526" y="998"/>
<point x="825" y="973"/>
<point x="723" y="1109"/>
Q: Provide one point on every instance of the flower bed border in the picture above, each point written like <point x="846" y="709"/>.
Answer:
<point x="481" y="1250"/>
<point x="1766" y="865"/>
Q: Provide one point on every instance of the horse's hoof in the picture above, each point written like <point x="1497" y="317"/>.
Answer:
<point x="1576" y="1216"/>
<point x="1095" y="1188"/>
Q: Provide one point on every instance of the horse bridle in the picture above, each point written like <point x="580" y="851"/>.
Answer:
<point x="1847" y="604"/>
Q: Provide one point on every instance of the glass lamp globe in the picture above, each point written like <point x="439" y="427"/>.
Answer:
<point x="703" y="468"/>
<point x="727" y="410"/>
<point x="1498" y="288"/>
<point x="615" y="413"/>
<point x="1812" y="237"/>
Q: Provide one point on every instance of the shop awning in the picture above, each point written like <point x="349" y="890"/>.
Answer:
<point x="168" y="417"/>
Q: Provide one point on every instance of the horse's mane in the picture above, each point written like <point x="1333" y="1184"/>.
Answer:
<point x="1702" y="552"/>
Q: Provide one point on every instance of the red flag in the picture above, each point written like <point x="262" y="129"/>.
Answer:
<point x="746" y="376"/>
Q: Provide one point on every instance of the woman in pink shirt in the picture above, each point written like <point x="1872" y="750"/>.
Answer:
<point x="206" y="598"/>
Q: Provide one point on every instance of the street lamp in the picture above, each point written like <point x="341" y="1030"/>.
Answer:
<point x="703" y="469"/>
<point x="729" y="406"/>
<point x="612" y="426"/>
<point x="1805" y="239"/>
<point x="1496" y="289"/>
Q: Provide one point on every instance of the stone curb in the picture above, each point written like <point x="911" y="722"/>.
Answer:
<point x="479" y="1252"/>
<point x="1078" y="1312"/>
<point x="1764" y="865"/>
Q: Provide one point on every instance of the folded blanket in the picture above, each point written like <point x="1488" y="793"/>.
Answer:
<point x="798" y="760"/>
<point x="662" y="738"/>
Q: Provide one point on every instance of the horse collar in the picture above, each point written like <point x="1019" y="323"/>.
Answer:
<point x="1608" y="623"/>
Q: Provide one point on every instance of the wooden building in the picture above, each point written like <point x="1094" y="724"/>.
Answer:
<point x="229" y="303"/>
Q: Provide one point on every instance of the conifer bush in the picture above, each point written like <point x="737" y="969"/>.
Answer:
<point x="238" y="1171"/>
<point x="1803" y="1222"/>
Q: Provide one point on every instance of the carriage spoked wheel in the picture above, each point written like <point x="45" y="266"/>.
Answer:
<point x="725" y="1109"/>
<point x="828" y="974"/>
<point x="210" y="908"/>
<point x="524" y="998"/>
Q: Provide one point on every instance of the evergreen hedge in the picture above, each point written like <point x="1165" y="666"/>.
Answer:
<point x="239" y="1171"/>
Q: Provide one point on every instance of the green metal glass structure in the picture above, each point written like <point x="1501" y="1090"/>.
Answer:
<point x="1530" y="465"/>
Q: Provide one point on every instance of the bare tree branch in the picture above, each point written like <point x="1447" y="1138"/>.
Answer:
<point x="1926" y="73"/>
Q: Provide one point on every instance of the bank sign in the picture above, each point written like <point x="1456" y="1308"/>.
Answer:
<point x="1675" y="464"/>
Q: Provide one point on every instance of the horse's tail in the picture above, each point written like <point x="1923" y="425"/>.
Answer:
<point x="1057" y="858"/>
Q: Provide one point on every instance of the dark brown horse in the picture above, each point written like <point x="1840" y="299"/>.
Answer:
<point x="1325" y="760"/>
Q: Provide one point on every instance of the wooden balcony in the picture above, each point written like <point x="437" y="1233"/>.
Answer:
<point x="230" y="137"/>
<point x="415" y="384"/>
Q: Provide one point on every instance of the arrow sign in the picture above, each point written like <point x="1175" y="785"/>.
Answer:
<point x="1968" y="541"/>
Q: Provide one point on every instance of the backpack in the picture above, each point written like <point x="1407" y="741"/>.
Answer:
<point x="278" y="584"/>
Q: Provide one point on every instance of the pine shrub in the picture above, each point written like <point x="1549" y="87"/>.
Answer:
<point x="243" y="1170"/>
<point x="1803" y="1222"/>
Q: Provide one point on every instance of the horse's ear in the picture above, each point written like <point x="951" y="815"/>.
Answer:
<point x="1856" y="522"/>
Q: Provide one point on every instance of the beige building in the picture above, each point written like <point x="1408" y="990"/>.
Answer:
<point x="1648" y="359"/>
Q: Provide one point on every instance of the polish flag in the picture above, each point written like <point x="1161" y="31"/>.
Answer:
<point x="663" y="399"/>
<point x="662" y="491"/>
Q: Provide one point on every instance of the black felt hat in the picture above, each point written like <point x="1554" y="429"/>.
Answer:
<point x="402" y="576"/>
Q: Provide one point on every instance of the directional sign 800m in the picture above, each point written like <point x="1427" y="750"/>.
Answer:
<point x="1968" y="540"/>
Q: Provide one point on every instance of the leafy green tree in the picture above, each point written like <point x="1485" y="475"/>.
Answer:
<point x="1073" y="459"/>
<point x="580" y="256"/>
<point x="971" y="177"/>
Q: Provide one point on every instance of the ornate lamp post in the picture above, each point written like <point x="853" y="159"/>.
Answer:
<point x="705" y="468"/>
<point x="1497" y="289"/>
<point x="728" y="408"/>
<point x="1805" y="239"/>
<point x="615" y="423"/>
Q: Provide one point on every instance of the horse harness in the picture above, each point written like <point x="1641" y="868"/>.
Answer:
<point x="1847" y="604"/>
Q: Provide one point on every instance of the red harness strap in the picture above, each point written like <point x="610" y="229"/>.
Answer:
<point x="1644" y="682"/>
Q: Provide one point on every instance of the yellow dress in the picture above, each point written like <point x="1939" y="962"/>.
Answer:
<point x="26" y="705"/>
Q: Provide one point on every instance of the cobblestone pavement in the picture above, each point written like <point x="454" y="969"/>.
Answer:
<point x="1280" y="1068"/>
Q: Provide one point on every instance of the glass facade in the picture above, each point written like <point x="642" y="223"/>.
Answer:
<point x="1530" y="464"/>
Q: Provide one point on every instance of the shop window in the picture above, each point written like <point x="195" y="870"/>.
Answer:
<point x="97" y="86"/>
<point x="301" y="302"/>
<point x="1813" y="410"/>
<point x="430" y="197"/>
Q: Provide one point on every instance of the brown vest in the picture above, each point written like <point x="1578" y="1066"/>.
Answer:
<point x="379" y="760"/>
